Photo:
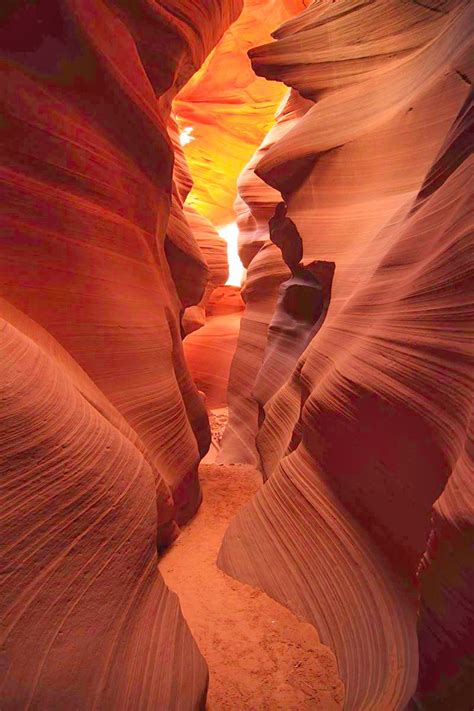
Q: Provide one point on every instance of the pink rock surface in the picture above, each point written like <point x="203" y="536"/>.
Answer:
<point x="362" y="439"/>
<point x="228" y="108"/>
<point x="446" y="619"/>
<point x="86" y="616"/>
<point x="214" y="250"/>
<point x="209" y="352"/>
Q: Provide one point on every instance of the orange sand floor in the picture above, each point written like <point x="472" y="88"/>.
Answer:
<point x="260" y="656"/>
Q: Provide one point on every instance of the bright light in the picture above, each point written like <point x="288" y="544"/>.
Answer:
<point x="185" y="136"/>
<point x="236" y="268"/>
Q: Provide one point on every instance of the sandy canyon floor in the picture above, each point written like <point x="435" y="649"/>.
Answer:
<point x="261" y="657"/>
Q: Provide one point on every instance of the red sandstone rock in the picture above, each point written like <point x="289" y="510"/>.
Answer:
<point x="363" y="438"/>
<point x="446" y="619"/>
<point x="101" y="426"/>
<point x="366" y="444"/>
<point x="229" y="109"/>
<point x="210" y="350"/>
<point x="255" y="206"/>
<point x="214" y="250"/>
<point x="225" y="300"/>
<point x="86" y="616"/>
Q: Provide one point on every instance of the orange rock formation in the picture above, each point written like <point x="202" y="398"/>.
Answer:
<point x="372" y="423"/>
<point x="358" y="412"/>
<point x="229" y="108"/>
<point x="101" y="426"/>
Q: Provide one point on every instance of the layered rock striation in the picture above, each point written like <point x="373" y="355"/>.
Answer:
<point x="367" y="506"/>
<point x="101" y="426"/>
<point x="351" y="385"/>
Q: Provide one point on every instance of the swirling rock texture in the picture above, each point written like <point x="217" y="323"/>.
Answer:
<point x="364" y="446"/>
<point x="358" y="409"/>
<point x="229" y="109"/>
<point x="254" y="206"/>
<point x="101" y="426"/>
<point x="87" y="618"/>
<point x="187" y="264"/>
<point x="300" y="312"/>
<point x="214" y="250"/>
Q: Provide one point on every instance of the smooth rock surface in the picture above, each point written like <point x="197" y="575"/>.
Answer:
<point x="371" y="424"/>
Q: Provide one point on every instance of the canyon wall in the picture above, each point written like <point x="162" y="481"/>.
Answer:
<point x="101" y="426"/>
<point x="229" y="109"/>
<point x="368" y="504"/>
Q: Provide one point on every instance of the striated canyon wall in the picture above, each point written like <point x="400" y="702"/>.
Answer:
<point x="368" y="503"/>
<point x="101" y="426"/>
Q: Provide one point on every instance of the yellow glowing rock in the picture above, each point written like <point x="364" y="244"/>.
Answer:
<point x="225" y="110"/>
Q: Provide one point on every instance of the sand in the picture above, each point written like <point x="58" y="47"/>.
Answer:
<point x="261" y="657"/>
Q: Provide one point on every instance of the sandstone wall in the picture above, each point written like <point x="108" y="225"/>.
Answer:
<point x="101" y="426"/>
<point x="371" y="426"/>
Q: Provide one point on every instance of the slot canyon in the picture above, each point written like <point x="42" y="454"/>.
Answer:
<point x="236" y="355"/>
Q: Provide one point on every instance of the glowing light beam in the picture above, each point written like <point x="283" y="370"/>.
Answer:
<point x="236" y="268"/>
<point x="185" y="136"/>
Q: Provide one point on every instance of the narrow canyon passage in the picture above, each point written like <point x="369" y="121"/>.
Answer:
<point x="260" y="655"/>
<point x="236" y="355"/>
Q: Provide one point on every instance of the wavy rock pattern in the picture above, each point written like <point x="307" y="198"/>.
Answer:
<point x="101" y="426"/>
<point x="185" y="259"/>
<point x="300" y="312"/>
<point x="362" y="439"/>
<point x="214" y="250"/>
<point x="209" y="352"/>
<point x="229" y="108"/>
<point x="196" y="253"/>
<point x="254" y="206"/>
<point x="82" y="593"/>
